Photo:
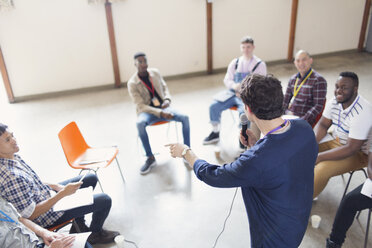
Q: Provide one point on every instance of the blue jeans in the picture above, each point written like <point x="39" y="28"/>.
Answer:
<point x="100" y="208"/>
<point x="216" y="108"/>
<point x="146" y="119"/>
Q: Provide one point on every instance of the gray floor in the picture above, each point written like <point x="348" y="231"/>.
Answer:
<point x="170" y="207"/>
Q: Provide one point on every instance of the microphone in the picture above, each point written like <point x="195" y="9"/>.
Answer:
<point x="244" y="121"/>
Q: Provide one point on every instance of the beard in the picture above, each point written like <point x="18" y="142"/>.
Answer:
<point x="344" y="99"/>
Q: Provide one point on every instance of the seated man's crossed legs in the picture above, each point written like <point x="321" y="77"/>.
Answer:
<point x="326" y="169"/>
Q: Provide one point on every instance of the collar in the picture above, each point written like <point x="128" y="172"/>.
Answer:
<point x="307" y="73"/>
<point x="138" y="80"/>
<point x="351" y="105"/>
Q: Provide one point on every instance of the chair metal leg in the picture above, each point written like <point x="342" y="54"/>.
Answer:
<point x="121" y="173"/>
<point x="357" y="216"/>
<point x="99" y="182"/>
<point x="365" y="173"/>
<point x="77" y="228"/>
<point x="347" y="185"/>
<point x="367" y="229"/>
<point x="232" y="115"/>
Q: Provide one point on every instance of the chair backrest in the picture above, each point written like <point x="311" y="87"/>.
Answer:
<point x="72" y="142"/>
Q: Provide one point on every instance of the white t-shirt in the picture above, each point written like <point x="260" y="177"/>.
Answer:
<point x="353" y="122"/>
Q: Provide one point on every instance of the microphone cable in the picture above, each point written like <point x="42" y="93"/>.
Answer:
<point x="227" y="217"/>
<point x="131" y="242"/>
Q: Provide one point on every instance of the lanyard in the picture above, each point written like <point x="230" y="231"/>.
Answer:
<point x="7" y="218"/>
<point x="339" y="115"/>
<point x="295" y="91"/>
<point x="277" y="128"/>
<point x="152" y="89"/>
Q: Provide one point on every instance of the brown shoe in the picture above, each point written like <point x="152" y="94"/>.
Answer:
<point x="102" y="237"/>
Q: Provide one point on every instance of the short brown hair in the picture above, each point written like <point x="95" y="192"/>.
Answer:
<point x="247" y="39"/>
<point x="263" y="95"/>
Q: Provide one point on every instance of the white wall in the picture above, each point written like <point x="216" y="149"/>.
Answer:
<point x="58" y="45"/>
<point x="267" y="22"/>
<point x="55" y="45"/>
<point x="172" y="33"/>
<point x="328" y="26"/>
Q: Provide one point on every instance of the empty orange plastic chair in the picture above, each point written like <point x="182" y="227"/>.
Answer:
<point x="81" y="156"/>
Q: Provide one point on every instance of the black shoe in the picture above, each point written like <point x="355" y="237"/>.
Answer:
<point x="150" y="162"/>
<point x="82" y="227"/>
<point x="331" y="244"/>
<point x="102" y="237"/>
<point x="212" y="138"/>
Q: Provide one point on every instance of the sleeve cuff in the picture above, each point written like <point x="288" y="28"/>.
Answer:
<point x="27" y="212"/>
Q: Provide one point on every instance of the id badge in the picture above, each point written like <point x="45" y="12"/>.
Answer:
<point x="155" y="102"/>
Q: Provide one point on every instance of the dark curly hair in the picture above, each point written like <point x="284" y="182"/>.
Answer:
<point x="3" y="128"/>
<point x="263" y="95"/>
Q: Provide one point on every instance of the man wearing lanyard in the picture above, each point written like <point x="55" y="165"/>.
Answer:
<point x="21" y="186"/>
<point x="351" y="116"/>
<point x="306" y="92"/>
<point x="275" y="175"/>
<point x="237" y="70"/>
<point x="16" y="231"/>
<point x="150" y="93"/>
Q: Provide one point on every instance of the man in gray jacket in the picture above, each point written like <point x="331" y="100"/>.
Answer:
<point x="150" y="93"/>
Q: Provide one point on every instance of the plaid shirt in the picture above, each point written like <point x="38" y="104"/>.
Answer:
<point x="20" y="186"/>
<point x="311" y="98"/>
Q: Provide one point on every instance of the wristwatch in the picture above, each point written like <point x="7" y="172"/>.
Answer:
<point x="185" y="151"/>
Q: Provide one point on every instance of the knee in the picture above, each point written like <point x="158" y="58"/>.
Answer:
<point x="90" y="180"/>
<point x="185" y="119"/>
<point x="349" y="201"/>
<point x="141" y="124"/>
<point x="320" y="170"/>
<point x="214" y="106"/>
<point x="102" y="201"/>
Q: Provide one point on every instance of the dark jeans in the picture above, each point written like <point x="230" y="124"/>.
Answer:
<point x="145" y="119"/>
<point x="100" y="208"/>
<point x="349" y="206"/>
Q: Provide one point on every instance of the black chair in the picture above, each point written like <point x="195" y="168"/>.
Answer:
<point x="351" y="175"/>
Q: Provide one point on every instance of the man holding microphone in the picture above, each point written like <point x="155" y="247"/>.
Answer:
<point x="276" y="174"/>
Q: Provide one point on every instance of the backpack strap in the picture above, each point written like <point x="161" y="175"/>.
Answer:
<point x="236" y="63"/>
<point x="255" y="67"/>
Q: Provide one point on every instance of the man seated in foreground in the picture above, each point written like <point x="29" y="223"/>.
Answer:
<point x="275" y="174"/>
<point x="351" y="115"/>
<point x="16" y="231"/>
<point x="349" y="206"/>
<point x="22" y="187"/>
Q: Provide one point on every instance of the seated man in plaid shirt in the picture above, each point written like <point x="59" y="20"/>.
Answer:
<point x="306" y="91"/>
<point x="22" y="187"/>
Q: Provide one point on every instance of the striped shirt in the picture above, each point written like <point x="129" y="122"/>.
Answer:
<point x="311" y="98"/>
<point x="354" y="122"/>
<point x="20" y="186"/>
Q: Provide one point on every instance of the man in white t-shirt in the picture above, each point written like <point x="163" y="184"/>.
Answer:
<point x="351" y="116"/>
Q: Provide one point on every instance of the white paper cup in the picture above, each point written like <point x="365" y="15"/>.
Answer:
<point x="217" y="152"/>
<point x="119" y="241"/>
<point x="315" y="221"/>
